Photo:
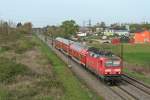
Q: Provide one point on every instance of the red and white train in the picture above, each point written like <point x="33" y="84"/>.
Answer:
<point x="104" y="64"/>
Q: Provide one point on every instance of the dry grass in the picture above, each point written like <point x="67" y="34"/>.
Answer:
<point x="38" y="83"/>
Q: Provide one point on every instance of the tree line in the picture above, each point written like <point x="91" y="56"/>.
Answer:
<point x="66" y="29"/>
<point x="69" y="28"/>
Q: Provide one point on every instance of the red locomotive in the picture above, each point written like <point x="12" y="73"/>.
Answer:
<point x="104" y="64"/>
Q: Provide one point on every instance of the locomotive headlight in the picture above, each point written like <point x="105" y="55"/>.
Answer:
<point x="112" y="63"/>
<point x="117" y="71"/>
<point x="107" y="70"/>
<point x="116" y="62"/>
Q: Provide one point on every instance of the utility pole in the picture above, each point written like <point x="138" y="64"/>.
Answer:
<point x="89" y="25"/>
<point x="122" y="53"/>
<point x="52" y="38"/>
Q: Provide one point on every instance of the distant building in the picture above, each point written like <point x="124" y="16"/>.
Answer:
<point x="142" y="37"/>
<point x="111" y="32"/>
<point x="98" y="30"/>
<point x="80" y="34"/>
<point x="86" y="30"/>
<point x="122" y="32"/>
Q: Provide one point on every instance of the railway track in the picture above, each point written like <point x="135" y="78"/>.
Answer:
<point x="135" y="88"/>
<point x="131" y="89"/>
<point x="120" y="91"/>
<point x="140" y="85"/>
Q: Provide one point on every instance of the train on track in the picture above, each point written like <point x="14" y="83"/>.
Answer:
<point x="104" y="64"/>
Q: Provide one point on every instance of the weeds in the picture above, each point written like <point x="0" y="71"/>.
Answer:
<point x="10" y="69"/>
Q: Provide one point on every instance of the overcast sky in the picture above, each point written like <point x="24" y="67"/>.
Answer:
<point x="44" y="12"/>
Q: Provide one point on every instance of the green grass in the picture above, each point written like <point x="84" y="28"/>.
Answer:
<point x="23" y="45"/>
<point x="9" y="69"/>
<point x="9" y="38"/>
<point x="137" y="75"/>
<point x="8" y="72"/>
<point x="4" y="94"/>
<point x="4" y="48"/>
<point x="138" y="54"/>
<point x="73" y="89"/>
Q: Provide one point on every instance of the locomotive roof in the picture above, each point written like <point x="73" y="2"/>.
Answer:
<point x="100" y="52"/>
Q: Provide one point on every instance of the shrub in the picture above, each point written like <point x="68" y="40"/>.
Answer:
<point x="4" y="48"/>
<point x="4" y="94"/>
<point x="23" y="45"/>
<point x="9" y="69"/>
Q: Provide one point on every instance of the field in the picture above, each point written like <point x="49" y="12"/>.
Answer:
<point x="136" y="58"/>
<point x="29" y="70"/>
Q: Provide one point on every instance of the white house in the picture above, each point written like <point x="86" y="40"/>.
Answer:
<point x="80" y="34"/>
<point x="111" y="32"/>
<point x="122" y="32"/>
<point x="108" y="32"/>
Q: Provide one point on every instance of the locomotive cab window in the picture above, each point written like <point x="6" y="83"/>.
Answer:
<point x="96" y="56"/>
<point x="111" y="63"/>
